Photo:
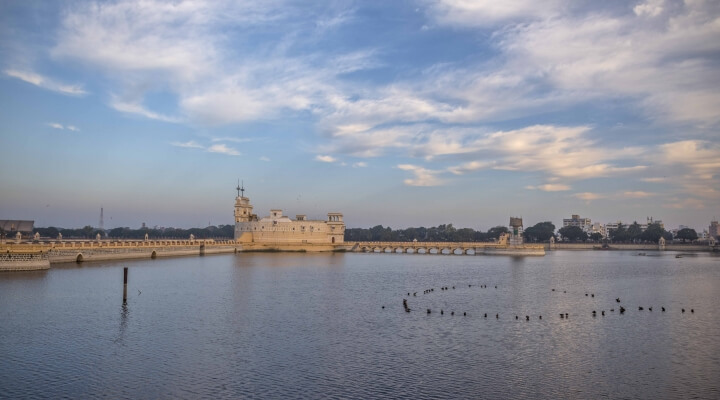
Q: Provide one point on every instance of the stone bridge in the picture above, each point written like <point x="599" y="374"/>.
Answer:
<point x="448" y="248"/>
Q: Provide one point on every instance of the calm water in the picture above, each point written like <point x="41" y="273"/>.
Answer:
<point x="313" y="326"/>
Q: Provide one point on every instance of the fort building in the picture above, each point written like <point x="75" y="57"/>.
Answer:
<point x="279" y="229"/>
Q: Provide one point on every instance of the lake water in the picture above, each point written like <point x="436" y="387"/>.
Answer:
<point x="274" y="325"/>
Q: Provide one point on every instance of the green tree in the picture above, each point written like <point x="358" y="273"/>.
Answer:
<point x="634" y="232"/>
<point x="596" y="236"/>
<point x="619" y="234"/>
<point x="495" y="232"/>
<point x="653" y="233"/>
<point x="573" y="233"/>
<point x="687" y="234"/>
<point x="540" y="232"/>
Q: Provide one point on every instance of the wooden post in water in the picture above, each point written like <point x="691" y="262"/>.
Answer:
<point x="125" y="275"/>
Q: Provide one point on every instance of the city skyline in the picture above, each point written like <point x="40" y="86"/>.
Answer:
<point x="415" y="113"/>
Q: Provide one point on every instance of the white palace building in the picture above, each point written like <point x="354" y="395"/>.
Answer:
<point x="277" y="229"/>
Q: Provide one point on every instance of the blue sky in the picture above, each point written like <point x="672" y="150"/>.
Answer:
<point x="403" y="113"/>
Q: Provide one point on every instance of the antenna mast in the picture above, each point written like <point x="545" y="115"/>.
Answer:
<point x="241" y="189"/>
<point x="101" y="219"/>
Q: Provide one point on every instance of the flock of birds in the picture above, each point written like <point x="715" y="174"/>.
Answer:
<point x="621" y="309"/>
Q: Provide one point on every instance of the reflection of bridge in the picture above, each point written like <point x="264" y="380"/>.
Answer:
<point x="458" y="248"/>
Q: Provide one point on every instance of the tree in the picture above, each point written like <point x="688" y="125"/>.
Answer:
<point x="494" y="233"/>
<point x="540" y="232"/>
<point x="653" y="233"/>
<point x="573" y="233"/>
<point x="687" y="234"/>
<point x="596" y="236"/>
<point x="619" y="234"/>
<point x="634" y="232"/>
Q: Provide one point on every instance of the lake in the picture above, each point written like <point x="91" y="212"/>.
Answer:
<point x="294" y="325"/>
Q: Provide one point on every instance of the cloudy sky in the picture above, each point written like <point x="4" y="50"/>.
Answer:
<point x="401" y="113"/>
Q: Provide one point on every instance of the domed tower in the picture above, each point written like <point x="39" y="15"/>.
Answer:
<point x="243" y="209"/>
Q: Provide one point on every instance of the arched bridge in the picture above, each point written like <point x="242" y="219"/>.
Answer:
<point x="458" y="248"/>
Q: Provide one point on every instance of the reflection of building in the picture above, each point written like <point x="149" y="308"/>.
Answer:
<point x="279" y="229"/>
<point x="583" y="223"/>
<point x="516" y="231"/>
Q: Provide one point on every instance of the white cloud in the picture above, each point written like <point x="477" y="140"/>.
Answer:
<point x="488" y="12"/>
<point x="359" y="164"/>
<point x="45" y="82"/>
<point x="423" y="176"/>
<point x="189" y="145"/>
<point x="638" y="194"/>
<point x="263" y="158"/>
<point x="325" y="158"/>
<point x="469" y="167"/>
<point x="56" y="125"/>
<point x="654" y="179"/>
<point x="223" y="149"/>
<point x="651" y="8"/>
<point x="549" y="187"/>
<point x="661" y="57"/>
<point x="588" y="196"/>
<point x="231" y="139"/>
<point x="135" y="108"/>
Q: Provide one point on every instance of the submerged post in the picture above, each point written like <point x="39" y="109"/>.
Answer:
<point x="125" y="275"/>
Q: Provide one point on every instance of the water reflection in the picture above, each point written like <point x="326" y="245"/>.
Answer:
<point x="274" y="325"/>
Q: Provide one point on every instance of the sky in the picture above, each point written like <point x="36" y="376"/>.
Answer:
<point x="401" y="113"/>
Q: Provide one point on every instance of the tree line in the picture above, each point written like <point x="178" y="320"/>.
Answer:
<point x="89" y="232"/>
<point x="441" y="233"/>
<point x="538" y="233"/>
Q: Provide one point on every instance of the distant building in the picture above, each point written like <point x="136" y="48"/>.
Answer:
<point x="584" y="223"/>
<point x="598" y="228"/>
<point x="649" y="221"/>
<point x="714" y="230"/>
<point x="611" y="226"/>
<point x="516" y="231"/>
<point x="279" y="229"/>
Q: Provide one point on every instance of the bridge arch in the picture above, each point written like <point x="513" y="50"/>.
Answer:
<point x="470" y="252"/>
<point x="79" y="258"/>
<point x="458" y="251"/>
<point x="153" y="255"/>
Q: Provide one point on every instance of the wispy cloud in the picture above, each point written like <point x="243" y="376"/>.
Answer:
<point x="188" y="145"/>
<point x="638" y="194"/>
<point x="423" y="176"/>
<point x="588" y="196"/>
<point x="360" y="164"/>
<point x="549" y="187"/>
<point x="220" y="148"/>
<point x="136" y="108"/>
<point x="223" y="149"/>
<point x="263" y="158"/>
<point x="56" y="125"/>
<point x="325" y="158"/>
<point x="45" y="82"/>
